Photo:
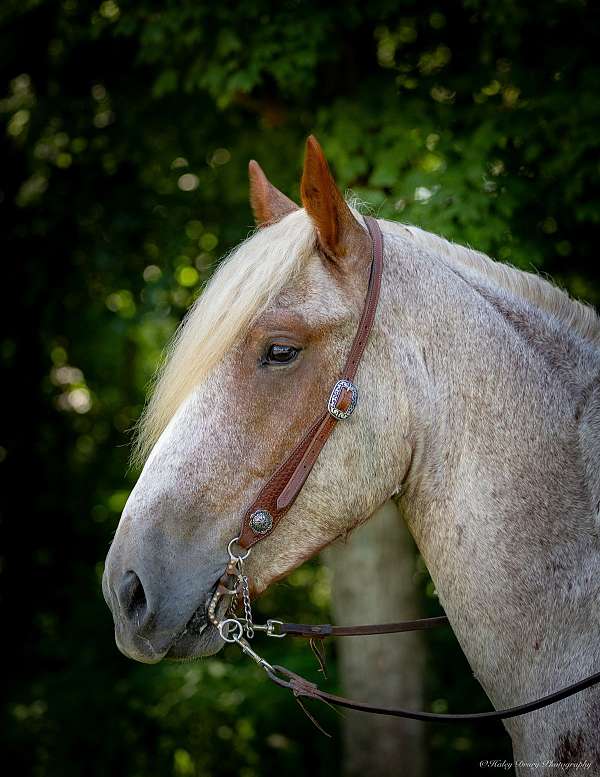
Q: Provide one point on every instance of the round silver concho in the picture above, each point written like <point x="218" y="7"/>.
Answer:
<point x="261" y="522"/>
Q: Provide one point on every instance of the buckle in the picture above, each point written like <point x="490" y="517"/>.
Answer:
<point x="343" y="399"/>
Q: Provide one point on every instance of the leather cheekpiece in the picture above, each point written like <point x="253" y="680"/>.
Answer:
<point x="281" y="490"/>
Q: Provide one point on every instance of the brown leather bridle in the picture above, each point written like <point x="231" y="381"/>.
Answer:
<point x="281" y="490"/>
<point x="273" y="502"/>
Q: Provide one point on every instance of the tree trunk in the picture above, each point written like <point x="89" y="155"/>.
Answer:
<point x="373" y="583"/>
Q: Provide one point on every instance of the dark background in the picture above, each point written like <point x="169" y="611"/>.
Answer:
<point x="126" y="131"/>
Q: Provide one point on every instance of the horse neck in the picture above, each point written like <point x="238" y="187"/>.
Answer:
<point x="502" y="493"/>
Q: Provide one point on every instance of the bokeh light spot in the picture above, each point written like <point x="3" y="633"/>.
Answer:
<point x="188" y="182"/>
<point x="208" y="241"/>
<point x="152" y="273"/>
<point x="188" y="276"/>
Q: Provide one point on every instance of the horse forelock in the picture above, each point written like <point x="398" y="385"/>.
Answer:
<point x="245" y="283"/>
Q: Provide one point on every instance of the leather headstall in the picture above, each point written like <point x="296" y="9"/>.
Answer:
<point x="281" y="490"/>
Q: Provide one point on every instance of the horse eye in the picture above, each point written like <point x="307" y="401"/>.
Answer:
<point x="280" y="354"/>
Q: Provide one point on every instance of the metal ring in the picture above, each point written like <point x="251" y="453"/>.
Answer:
<point x="237" y="625"/>
<point x="231" y="555"/>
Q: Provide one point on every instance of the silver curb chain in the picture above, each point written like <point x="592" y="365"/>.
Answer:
<point x="243" y="580"/>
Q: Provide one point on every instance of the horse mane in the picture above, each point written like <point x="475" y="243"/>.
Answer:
<point x="542" y="294"/>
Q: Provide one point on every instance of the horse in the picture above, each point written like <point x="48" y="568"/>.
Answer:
<point x="479" y="415"/>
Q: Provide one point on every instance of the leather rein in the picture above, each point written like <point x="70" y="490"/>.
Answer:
<point x="270" y="506"/>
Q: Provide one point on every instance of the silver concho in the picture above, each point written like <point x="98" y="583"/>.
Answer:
<point x="261" y="522"/>
<point x="340" y="386"/>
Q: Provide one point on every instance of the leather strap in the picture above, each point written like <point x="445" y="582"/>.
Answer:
<point x="323" y="630"/>
<point x="280" y="491"/>
<point x="301" y="687"/>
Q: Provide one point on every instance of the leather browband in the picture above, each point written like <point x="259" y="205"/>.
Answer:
<point x="280" y="491"/>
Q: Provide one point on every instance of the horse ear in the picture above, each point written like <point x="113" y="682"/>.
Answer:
<point x="268" y="203"/>
<point x="339" y="233"/>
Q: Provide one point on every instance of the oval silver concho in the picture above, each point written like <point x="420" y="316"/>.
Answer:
<point x="261" y="522"/>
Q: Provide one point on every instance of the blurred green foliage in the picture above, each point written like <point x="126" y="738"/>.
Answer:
<point x="127" y="130"/>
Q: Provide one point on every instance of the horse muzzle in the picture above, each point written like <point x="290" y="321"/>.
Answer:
<point x="157" y="618"/>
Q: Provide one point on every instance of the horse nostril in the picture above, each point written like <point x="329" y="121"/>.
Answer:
<point x="132" y="597"/>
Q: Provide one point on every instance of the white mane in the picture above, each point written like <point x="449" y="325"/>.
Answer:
<point x="575" y="315"/>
